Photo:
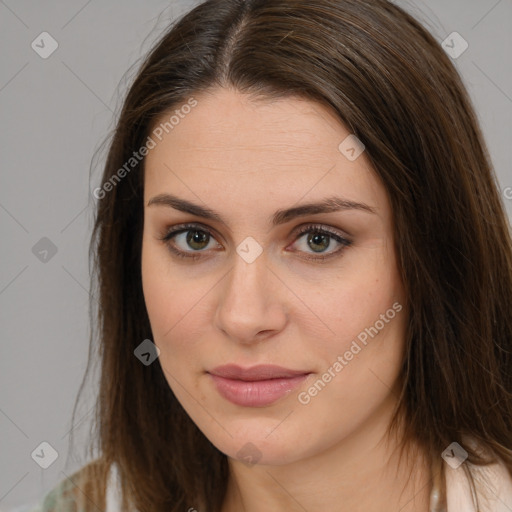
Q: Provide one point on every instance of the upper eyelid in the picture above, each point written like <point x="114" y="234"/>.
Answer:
<point x="188" y="226"/>
<point x="185" y="226"/>
<point x="298" y="231"/>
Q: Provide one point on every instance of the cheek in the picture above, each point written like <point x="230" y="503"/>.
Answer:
<point x="156" y="285"/>
<point x="354" y="301"/>
<point x="175" y="302"/>
<point x="164" y="293"/>
<point x="360" y="369"/>
<point x="361" y="355"/>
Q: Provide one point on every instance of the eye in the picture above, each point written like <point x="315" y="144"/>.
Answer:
<point x="190" y="240"/>
<point x="319" y="238"/>
<point x="184" y="237"/>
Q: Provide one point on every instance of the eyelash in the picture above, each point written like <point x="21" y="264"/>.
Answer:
<point x="310" y="228"/>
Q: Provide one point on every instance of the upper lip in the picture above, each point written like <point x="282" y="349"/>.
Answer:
<point x="254" y="373"/>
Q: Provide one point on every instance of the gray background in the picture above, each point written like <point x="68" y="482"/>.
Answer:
<point x="55" y="112"/>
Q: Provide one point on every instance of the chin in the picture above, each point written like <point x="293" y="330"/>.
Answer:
<point x="258" y="441"/>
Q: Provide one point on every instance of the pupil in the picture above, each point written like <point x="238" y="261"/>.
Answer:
<point x="317" y="239"/>
<point x="197" y="237"/>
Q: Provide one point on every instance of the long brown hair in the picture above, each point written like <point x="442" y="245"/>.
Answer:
<point x="393" y="86"/>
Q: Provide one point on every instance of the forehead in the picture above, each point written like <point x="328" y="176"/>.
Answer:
<point x="230" y="146"/>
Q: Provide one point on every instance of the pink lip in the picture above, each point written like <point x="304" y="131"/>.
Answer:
<point x="257" y="386"/>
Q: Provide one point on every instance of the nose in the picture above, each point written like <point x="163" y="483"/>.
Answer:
<point x="251" y="306"/>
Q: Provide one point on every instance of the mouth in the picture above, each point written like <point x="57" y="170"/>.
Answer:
<point x="257" y="386"/>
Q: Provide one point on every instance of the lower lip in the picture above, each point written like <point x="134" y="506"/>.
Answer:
<point x="256" y="393"/>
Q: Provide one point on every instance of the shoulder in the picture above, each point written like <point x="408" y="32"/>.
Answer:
<point x="82" y="491"/>
<point x="495" y="487"/>
<point x="493" y="484"/>
<point x="62" y="498"/>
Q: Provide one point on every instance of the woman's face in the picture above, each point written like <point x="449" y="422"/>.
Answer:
<point x="326" y="304"/>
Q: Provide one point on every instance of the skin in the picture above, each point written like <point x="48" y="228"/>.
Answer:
<point x="246" y="159"/>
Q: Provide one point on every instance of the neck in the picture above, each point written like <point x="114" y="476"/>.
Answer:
<point x="362" y="472"/>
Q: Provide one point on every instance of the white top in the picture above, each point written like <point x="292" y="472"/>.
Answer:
<point x="495" y="481"/>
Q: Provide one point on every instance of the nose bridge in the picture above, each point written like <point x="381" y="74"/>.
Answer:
<point x="247" y="287"/>
<point x="249" y="303"/>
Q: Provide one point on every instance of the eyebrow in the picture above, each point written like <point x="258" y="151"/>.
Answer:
<point x="327" y="205"/>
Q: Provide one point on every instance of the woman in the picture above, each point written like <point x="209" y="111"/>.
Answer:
<point x="304" y="271"/>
